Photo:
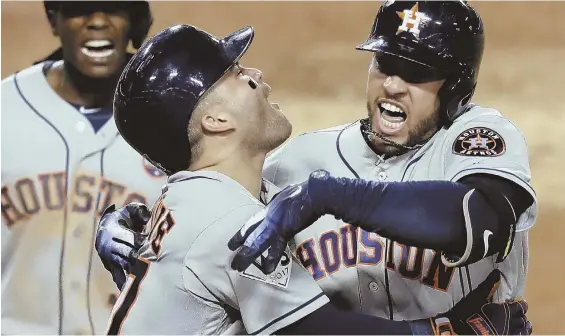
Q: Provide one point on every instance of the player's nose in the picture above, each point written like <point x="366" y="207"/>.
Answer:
<point x="395" y="85"/>
<point x="98" y="20"/>
<point x="256" y="74"/>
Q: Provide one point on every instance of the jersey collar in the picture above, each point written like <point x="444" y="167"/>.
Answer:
<point x="207" y="174"/>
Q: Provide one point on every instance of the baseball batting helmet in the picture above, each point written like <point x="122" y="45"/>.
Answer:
<point x="446" y="37"/>
<point x="162" y="84"/>
<point x="139" y="11"/>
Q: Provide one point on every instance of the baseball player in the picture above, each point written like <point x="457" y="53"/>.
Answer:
<point x="60" y="170"/>
<point x="421" y="127"/>
<point x="448" y="197"/>
<point x="185" y="91"/>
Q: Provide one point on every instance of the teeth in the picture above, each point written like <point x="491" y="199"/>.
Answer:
<point x="97" y="43"/>
<point x="97" y="53"/>
<point x="390" y="107"/>
<point x="390" y="124"/>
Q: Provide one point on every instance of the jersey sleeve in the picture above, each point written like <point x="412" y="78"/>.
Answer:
<point x="266" y="303"/>
<point x="491" y="144"/>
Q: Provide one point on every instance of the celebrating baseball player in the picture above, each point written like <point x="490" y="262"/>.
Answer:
<point x="184" y="91"/>
<point x="446" y="195"/>
<point x="62" y="166"/>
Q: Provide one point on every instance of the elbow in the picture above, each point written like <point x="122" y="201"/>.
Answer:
<point x="489" y="229"/>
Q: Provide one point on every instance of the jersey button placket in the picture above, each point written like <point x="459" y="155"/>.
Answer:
<point x="77" y="232"/>
<point x="373" y="286"/>
<point x="75" y="285"/>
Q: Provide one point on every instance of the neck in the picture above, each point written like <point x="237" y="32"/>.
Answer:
<point x="79" y="89"/>
<point x="245" y="169"/>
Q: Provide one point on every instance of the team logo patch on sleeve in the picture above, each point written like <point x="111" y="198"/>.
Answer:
<point x="479" y="141"/>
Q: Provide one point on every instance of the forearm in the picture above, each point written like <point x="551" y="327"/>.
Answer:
<point x="427" y="214"/>
<point x="328" y="320"/>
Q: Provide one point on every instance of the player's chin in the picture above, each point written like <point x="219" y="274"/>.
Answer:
<point x="100" y="69"/>
<point x="399" y="136"/>
<point x="279" y="131"/>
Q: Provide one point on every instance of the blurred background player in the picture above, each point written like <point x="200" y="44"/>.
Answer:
<point x="60" y="170"/>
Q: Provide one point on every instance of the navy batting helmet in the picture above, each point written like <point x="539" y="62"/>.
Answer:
<point x="162" y="84"/>
<point x="446" y="37"/>
<point x="140" y="17"/>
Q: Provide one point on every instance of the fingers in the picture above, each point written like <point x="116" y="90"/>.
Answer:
<point x="253" y="247"/>
<point x="119" y="278"/>
<point x="529" y="328"/>
<point x="240" y="236"/>
<point x="250" y="226"/>
<point x="243" y="258"/>
<point x="274" y="256"/>
<point x="518" y="307"/>
<point x="123" y="243"/>
<point x="517" y="311"/>
<point x="139" y="213"/>
<point x="134" y="216"/>
<point x="123" y="251"/>
<point x="109" y="209"/>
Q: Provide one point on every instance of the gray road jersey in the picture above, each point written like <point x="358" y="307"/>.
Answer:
<point x="58" y="175"/>
<point x="369" y="273"/>
<point x="189" y="287"/>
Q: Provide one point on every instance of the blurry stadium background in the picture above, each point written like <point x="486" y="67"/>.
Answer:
<point x="306" y="52"/>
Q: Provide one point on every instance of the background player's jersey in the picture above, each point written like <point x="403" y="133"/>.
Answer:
<point x="356" y="268"/>
<point x="189" y="287"/>
<point x="58" y="175"/>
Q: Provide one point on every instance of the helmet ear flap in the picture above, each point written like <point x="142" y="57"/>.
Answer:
<point x="140" y="30"/>
<point x="455" y="95"/>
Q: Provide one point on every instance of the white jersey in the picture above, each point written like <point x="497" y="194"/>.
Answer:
<point x="355" y="268"/>
<point x="58" y="175"/>
<point x="183" y="283"/>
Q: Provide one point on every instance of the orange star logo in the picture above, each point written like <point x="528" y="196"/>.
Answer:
<point x="411" y="19"/>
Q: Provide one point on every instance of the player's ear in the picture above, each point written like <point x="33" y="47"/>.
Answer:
<point x="52" y="18"/>
<point x="214" y="121"/>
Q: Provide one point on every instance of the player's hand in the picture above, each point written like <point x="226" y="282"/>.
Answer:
<point x="476" y="314"/>
<point x="119" y="237"/>
<point x="291" y="211"/>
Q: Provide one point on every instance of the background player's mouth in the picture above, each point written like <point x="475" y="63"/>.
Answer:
<point x="98" y="50"/>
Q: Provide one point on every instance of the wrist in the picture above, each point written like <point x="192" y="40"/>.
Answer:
<point x="319" y="191"/>
<point x="439" y="325"/>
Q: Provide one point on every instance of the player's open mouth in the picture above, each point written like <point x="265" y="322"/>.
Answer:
<point x="391" y="118"/>
<point x="98" y="50"/>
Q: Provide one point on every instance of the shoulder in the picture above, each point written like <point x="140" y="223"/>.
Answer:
<point x="481" y="132"/>
<point x="306" y="143"/>
<point x="9" y="87"/>
<point x="302" y="154"/>
<point x="12" y="85"/>
<point x="30" y="72"/>
<point x="485" y="120"/>
<point x="204" y="200"/>
<point x="13" y="96"/>
<point x="318" y="135"/>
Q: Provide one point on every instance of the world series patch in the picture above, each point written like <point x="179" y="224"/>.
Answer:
<point x="479" y="141"/>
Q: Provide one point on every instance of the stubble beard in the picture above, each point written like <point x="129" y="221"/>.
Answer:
<point x="421" y="133"/>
